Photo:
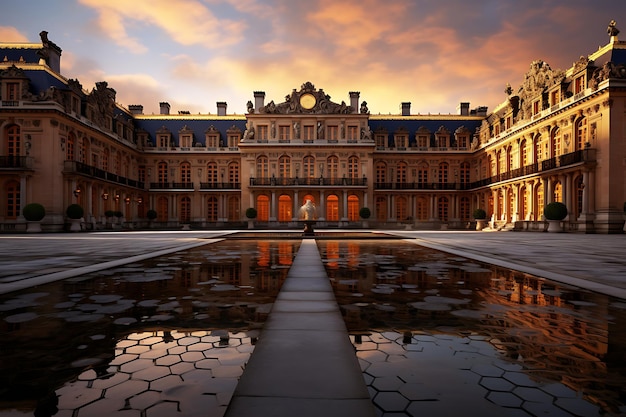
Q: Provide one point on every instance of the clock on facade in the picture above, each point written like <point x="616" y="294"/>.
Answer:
<point x="307" y="101"/>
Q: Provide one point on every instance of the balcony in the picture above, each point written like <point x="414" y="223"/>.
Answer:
<point x="89" y="171"/>
<point x="16" y="162"/>
<point x="169" y="186"/>
<point x="420" y="186"/>
<point x="298" y="182"/>
<point x="208" y="186"/>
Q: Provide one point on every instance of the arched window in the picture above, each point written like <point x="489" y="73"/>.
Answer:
<point x="537" y="149"/>
<point x="401" y="209"/>
<point x="353" y="208"/>
<point x="442" y="208"/>
<point x="523" y="154"/>
<point x="185" y="210"/>
<point x="509" y="158"/>
<point x="284" y="167"/>
<point x="233" y="174"/>
<point x="263" y="208"/>
<point x="185" y="173"/>
<point x="333" y="166"/>
<point x="555" y="142"/>
<point x="12" y="195"/>
<point x="284" y="208"/>
<point x="162" y="172"/>
<point x="211" y="172"/>
<point x="211" y="204"/>
<point x="262" y="167"/>
<point x="332" y="208"/>
<point x="13" y="142"/>
<point x="308" y="197"/>
<point x="524" y="197"/>
<point x="381" y="208"/>
<point x="540" y="201"/>
<point x="70" y="148"/>
<point x="422" y="174"/>
<point x="308" y="167"/>
<point x="558" y="192"/>
<point x="233" y="209"/>
<point x="83" y="155"/>
<point x="465" y="173"/>
<point x="353" y="167"/>
<point x="162" y="209"/>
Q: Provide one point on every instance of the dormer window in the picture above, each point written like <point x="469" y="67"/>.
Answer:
<point x="12" y="91"/>
<point x="579" y="84"/>
<point x="555" y="97"/>
<point x="185" y="141"/>
<point x="163" y="141"/>
<point x="380" y="141"/>
<point x="536" y="107"/>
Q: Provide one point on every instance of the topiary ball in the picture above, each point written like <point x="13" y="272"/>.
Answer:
<point x="34" y="212"/>
<point x="479" y="214"/>
<point x="555" y="211"/>
<point x="74" y="211"/>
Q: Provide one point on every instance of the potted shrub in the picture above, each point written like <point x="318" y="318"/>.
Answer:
<point x="365" y="214"/>
<point x="480" y="216"/>
<point x="75" y="213"/>
<point x="555" y="213"/>
<point x="251" y="214"/>
<point x="151" y="215"/>
<point x="34" y="214"/>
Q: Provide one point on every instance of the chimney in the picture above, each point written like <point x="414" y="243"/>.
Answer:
<point x="463" y="109"/>
<point x="259" y="100"/>
<point x="221" y="108"/>
<point x="135" y="108"/>
<point x="165" y="107"/>
<point x="406" y="108"/>
<point x="354" y="101"/>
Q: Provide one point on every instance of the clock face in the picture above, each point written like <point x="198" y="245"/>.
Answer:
<point x="307" y="101"/>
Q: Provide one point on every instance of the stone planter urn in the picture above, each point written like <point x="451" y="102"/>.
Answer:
<point x="555" y="213"/>
<point x="480" y="216"/>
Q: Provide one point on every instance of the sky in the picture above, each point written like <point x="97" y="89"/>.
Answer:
<point x="194" y="53"/>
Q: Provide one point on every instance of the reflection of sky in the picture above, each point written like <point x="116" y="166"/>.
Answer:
<point x="193" y="53"/>
<point x="551" y="331"/>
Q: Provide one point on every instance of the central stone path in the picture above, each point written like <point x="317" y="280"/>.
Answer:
<point x="303" y="364"/>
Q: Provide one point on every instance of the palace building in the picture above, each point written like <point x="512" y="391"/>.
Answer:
<point x="560" y="136"/>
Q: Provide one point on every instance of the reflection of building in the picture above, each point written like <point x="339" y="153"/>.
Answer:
<point x="557" y="137"/>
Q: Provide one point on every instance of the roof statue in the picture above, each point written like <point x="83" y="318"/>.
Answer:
<point x="307" y="100"/>
<point x="612" y="30"/>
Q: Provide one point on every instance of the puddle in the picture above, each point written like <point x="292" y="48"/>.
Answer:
<point x="440" y="335"/>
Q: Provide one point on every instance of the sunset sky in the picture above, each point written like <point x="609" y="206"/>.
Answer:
<point x="193" y="53"/>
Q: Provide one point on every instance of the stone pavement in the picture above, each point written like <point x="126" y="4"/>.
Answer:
<point x="275" y="376"/>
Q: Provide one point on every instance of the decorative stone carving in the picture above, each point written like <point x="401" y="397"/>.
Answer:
<point x="307" y="100"/>
<point x="102" y="101"/>
<point x="538" y="79"/>
<point x="364" y="109"/>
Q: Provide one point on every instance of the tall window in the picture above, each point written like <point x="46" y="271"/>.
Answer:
<point x="70" y="148"/>
<point x="284" y="132"/>
<point x="307" y="132"/>
<point x="141" y="173"/>
<point x="465" y="173"/>
<point x="537" y="150"/>
<point x="555" y="142"/>
<point x="284" y="208"/>
<point x="185" y="172"/>
<point x="163" y="141"/>
<point x="353" y="167"/>
<point x="308" y="167"/>
<point x="401" y="173"/>
<point x="523" y="153"/>
<point x="233" y="173"/>
<point x="233" y="141"/>
<point x="13" y="140"/>
<point x="443" y="173"/>
<point x="83" y="154"/>
<point x="233" y="208"/>
<point x="421" y="209"/>
<point x="381" y="172"/>
<point x="401" y="209"/>
<point x="442" y="208"/>
<point x="464" y="208"/>
<point x="105" y="160"/>
<point x="333" y="133"/>
<point x="333" y="167"/>
<point x="579" y="84"/>
<point x="581" y="133"/>
<point x="185" y="210"/>
<point x="381" y="141"/>
<point x="162" y="209"/>
<point x="162" y="172"/>
<point x="263" y="208"/>
<point x="262" y="167"/>
<point x="211" y="205"/>
<point x="284" y="167"/>
<point x="381" y="208"/>
<point x="261" y="132"/>
<point x="422" y="174"/>
<point x="353" y="208"/>
<point x="353" y="133"/>
<point x="13" y="200"/>
<point x="211" y="170"/>
<point x="332" y="208"/>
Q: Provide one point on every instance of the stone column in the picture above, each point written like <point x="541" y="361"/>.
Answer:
<point x="273" y="207"/>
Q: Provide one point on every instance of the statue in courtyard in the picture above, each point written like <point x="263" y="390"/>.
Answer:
<point x="308" y="211"/>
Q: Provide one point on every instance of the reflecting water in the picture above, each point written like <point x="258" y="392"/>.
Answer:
<point x="151" y="338"/>
<point x="437" y="334"/>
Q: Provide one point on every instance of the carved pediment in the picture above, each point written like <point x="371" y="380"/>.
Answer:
<point x="102" y="102"/>
<point x="13" y="72"/>
<point x="307" y="100"/>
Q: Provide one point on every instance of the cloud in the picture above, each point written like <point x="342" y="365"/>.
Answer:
<point x="11" y="34"/>
<point x="186" y="22"/>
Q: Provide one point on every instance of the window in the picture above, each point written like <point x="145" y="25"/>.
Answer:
<point x="442" y="208"/>
<point x="381" y="172"/>
<point x="162" y="172"/>
<point x="233" y="141"/>
<point x="185" y="173"/>
<point x="284" y="132"/>
<point x="353" y="208"/>
<point x="13" y="141"/>
<point x="442" y="141"/>
<point x="332" y="208"/>
<point x="554" y="98"/>
<point x="162" y="209"/>
<point x="462" y="141"/>
<point x="284" y="208"/>
<point x="443" y="173"/>
<point x="141" y="173"/>
<point x="380" y="141"/>
<point x="465" y="173"/>
<point x="105" y="160"/>
<point x="212" y="141"/>
<point x="262" y="133"/>
<point x="333" y="166"/>
<point x="308" y="167"/>
<point x="421" y="209"/>
<point x="353" y="133"/>
<point x="536" y="107"/>
<point x="422" y="174"/>
<point x="12" y="200"/>
<point x="381" y="208"/>
<point x="70" y="148"/>
<point x="464" y="208"/>
<point x="233" y="173"/>
<point x="555" y="142"/>
<point x="508" y="122"/>
<point x="401" y="141"/>
<point x="211" y="170"/>
<point x="262" y="167"/>
<point x="284" y="167"/>
<point x="333" y="132"/>
<point x="401" y="209"/>
<point x="233" y="208"/>
<point x="163" y="141"/>
<point x="185" y="210"/>
<point x="211" y="204"/>
<point x="185" y="141"/>
<point x="579" y="84"/>
<point x="401" y="173"/>
<point x="353" y="167"/>
<point x="263" y="208"/>
<point x="84" y="150"/>
<point x="422" y="141"/>
<point x="523" y="153"/>
<point x="537" y="149"/>
<point x="581" y="133"/>
<point x="12" y="91"/>
<point x="307" y="132"/>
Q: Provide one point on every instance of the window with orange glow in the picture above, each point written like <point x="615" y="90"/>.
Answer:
<point x="353" y="208"/>
<point x="284" y="208"/>
<point x="332" y="208"/>
<point x="263" y="208"/>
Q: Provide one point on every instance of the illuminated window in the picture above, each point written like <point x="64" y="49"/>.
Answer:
<point x="284" y="208"/>
<point x="332" y="208"/>
<point x="263" y="208"/>
<point x="353" y="208"/>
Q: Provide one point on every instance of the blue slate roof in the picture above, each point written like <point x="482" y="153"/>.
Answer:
<point x="198" y="126"/>
<point x="14" y="54"/>
<point x="411" y="125"/>
<point x="42" y="80"/>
